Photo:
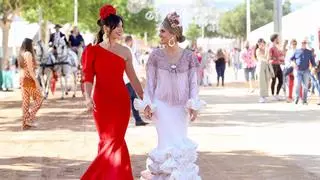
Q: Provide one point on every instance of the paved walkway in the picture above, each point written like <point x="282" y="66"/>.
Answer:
<point x="238" y="138"/>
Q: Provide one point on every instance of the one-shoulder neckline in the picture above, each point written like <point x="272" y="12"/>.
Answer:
<point x="111" y="52"/>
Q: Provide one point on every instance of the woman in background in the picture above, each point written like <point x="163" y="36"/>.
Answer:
<point x="29" y="84"/>
<point x="220" y="66"/>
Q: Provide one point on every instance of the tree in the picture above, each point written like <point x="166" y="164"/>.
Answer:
<point x="58" y="12"/>
<point x="61" y="12"/>
<point x="193" y="32"/>
<point x="211" y="32"/>
<point x="233" y="23"/>
<point x="8" y="9"/>
<point x="135" y="24"/>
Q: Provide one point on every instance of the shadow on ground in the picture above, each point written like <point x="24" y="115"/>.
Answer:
<point x="235" y="165"/>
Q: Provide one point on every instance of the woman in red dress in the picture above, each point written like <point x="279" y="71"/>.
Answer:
<point x="106" y="62"/>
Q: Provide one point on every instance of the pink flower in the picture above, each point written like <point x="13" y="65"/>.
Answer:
<point x="106" y="10"/>
<point x="174" y="19"/>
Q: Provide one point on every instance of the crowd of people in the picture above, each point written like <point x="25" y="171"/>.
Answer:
<point x="291" y="68"/>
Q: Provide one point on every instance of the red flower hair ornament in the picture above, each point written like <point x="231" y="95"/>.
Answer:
<point x="106" y="11"/>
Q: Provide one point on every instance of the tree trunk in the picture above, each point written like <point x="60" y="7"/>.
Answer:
<point x="44" y="32"/>
<point x="5" y="26"/>
<point x="5" y="40"/>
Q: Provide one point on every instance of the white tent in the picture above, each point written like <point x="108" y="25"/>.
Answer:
<point x="19" y="30"/>
<point x="299" y="24"/>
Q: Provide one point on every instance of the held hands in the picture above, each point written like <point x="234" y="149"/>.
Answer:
<point x="193" y="114"/>
<point x="147" y="112"/>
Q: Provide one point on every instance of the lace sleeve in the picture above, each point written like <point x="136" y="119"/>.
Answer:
<point x="193" y="76"/>
<point x="194" y="101"/>
<point x="150" y="85"/>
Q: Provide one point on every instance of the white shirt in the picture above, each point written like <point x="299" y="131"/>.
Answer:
<point x="56" y="38"/>
<point x="135" y="64"/>
<point x="289" y="54"/>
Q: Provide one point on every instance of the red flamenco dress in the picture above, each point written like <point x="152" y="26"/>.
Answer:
<point x="111" y="114"/>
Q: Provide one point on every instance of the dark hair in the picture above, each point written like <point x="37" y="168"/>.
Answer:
<point x="257" y="46"/>
<point x="274" y="37"/>
<point x="220" y="53"/>
<point x="128" y="39"/>
<point x="26" y="46"/>
<point x="112" y="21"/>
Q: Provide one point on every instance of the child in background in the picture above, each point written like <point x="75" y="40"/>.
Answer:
<point x="7" y="76"/>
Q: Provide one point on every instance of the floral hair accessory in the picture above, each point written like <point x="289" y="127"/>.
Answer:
<point x="174" y="20"/>
<point x="106" y="11"/>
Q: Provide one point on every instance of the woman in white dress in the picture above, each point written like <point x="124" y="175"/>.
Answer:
<point x="171" y="101"/>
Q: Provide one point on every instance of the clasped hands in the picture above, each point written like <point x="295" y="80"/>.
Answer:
<point x="148" y="113"/>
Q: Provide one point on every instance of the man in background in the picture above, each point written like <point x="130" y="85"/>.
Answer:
<point x="133" y="95"/>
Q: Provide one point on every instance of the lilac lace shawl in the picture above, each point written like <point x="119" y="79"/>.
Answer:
<point x="174" y="85"/>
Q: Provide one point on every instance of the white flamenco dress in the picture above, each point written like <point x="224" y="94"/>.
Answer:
<point x="170" y="91"/>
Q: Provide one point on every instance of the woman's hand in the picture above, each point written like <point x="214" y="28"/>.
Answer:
<point x="89" y="104"/>
<point x="147" y="112"/>
<point x="193" y="114"/>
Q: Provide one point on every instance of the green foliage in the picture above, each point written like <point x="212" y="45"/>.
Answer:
<point x="55" y="11"/>
<point x="233" y="23"/>
<point x="193" y="32"/>
<point x="135" y="24"/>
<point x="61" y="11"/>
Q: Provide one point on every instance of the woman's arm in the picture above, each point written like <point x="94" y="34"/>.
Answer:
<point x="30" y="66"/>
<point x="88" y="75"/>
<point x="132" y="75"/>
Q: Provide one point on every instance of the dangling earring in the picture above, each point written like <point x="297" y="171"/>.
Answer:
<point x="171" y="42"/>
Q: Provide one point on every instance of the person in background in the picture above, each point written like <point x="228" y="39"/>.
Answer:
<point x="76" y="41"/>
<point x="56" y="36"/>
<point x="288" y="70"/>
<point x="236" y="64"/>
<point x="302" y="58"/>
<point x="315" y="77"/>
<point x="276" y="58"/>
<point x="208" y="63"/>
<point x="7" y="76"/>
<point x="249" y="65"/>
<point x="220" y="66"/>
<point x="129" y="44"/>
<point x="265" y="70"/>
<point x="144" y="58"/>
<point x="29" y="84"/>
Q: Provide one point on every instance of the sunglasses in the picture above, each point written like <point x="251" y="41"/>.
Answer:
<point x="304" y="42"/>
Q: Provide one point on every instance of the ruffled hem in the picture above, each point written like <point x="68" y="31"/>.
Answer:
<point x="140" y="105"/>
<point x="174" y="163"/>
<point x="195" y="104"/>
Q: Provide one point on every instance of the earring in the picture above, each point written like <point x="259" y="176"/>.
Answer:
<point x="171" y="42"/>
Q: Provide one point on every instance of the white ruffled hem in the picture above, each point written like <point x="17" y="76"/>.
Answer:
<point x="140" y="105"/>
<point x="195" y="104"/>
<point x="174" y="163"/>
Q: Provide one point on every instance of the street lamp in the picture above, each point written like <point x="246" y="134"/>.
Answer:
<point x="277" y="16"/>
<point x="75" y="13"/>
<point x="248" y="18"/>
